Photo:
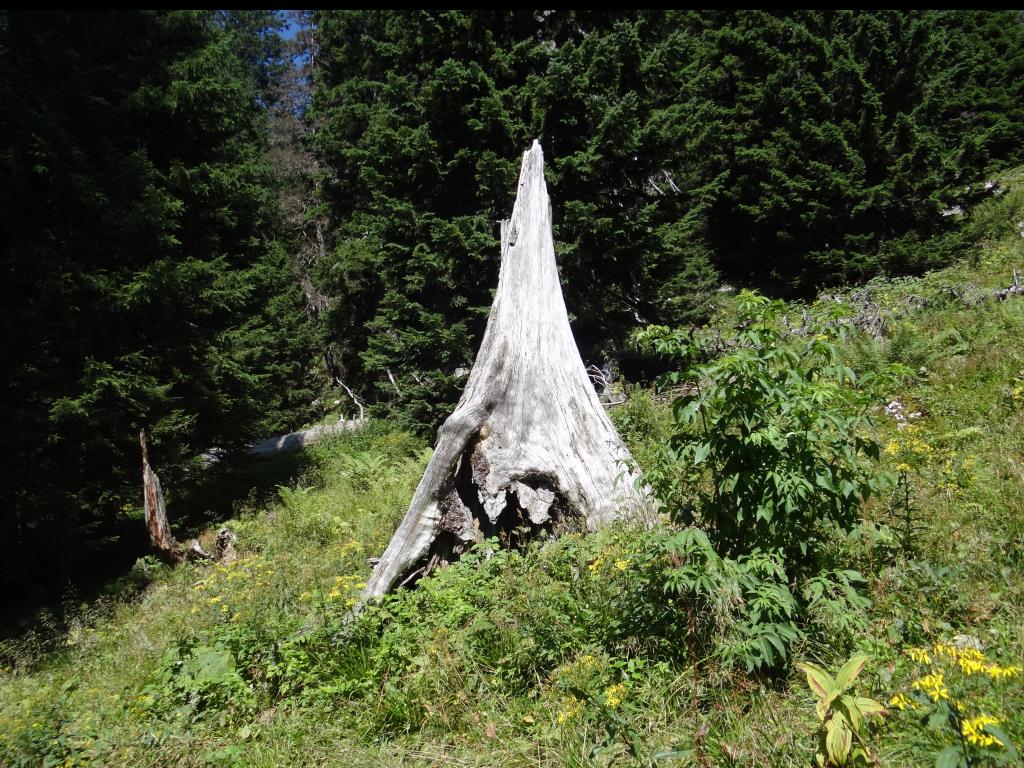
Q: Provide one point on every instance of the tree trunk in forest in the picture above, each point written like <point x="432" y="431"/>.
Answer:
<point x="529" y="449"/>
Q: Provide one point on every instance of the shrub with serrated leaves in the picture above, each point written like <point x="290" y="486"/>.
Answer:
<point x="753" y="610"/>
<point x="771" y="447"/>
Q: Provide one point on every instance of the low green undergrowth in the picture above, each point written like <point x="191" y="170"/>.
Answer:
<point x="826" y="497"/>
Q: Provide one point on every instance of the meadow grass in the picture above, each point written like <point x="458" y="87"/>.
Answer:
<point x="542" y="657"/>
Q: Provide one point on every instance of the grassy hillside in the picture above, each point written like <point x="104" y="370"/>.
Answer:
<point x="575" y="651"/>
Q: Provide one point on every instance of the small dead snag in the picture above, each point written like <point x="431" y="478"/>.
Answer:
<point x="160" y="536"/>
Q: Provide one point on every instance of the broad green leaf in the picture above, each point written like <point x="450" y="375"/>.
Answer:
<point x="849" y="671"/>
<point x="1009" y="750"/>
<point x="848" y="706"/>
<point x="838" y="739"/>
<point x="948" y="758"/>
<point x="937" y="720"/>
<point x="869" y="706"/>
<point x="701" y="452"/>
<point x="818" y="680"/>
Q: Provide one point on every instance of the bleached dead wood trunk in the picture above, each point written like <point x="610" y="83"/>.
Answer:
<point x="529" y="447"/>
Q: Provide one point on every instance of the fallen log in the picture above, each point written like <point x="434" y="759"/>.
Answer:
<point x="294" y="441"/>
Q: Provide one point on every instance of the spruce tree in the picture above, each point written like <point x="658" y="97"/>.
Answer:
<point x="142" y="285"/>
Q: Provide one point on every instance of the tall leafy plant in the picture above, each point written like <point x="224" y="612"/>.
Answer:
<point x="770" y="447"/>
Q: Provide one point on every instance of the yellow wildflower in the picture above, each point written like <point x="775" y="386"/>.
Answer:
<point x="571" y="709"/>
<point x="621" y="564"/>
<point x="999" y="673"/>
<point x="903" y="467"/>
<point x="892" y="448"/>
<point x="215" y="599"/>
<point x="595" y="566"/>
<point x="920" y="655"/>
<point x="615" y="694"/>
<point x="971" y="666"/>
<point x="902" y="701"/>
<point x="948" y="650"/>
<point x="934" y="686"/>
<point x="973" y="730"/>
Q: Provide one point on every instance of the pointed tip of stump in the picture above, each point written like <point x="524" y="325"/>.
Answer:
<point x="534" y="155"/>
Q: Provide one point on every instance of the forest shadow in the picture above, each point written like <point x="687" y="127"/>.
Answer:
<point x="118" y="566"/>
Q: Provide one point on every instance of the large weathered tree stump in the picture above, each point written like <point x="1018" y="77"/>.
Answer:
<point x="529" y="449"/>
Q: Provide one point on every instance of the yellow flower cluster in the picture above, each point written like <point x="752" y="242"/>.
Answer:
<point x="933" y="686"/>
<point x="615" y="694"/>
<point x="909" y="449"/>
<point x="972" y="662"/>
<point x="346" y="585"/>
<point x="579" y="671"/>
<point x="570" y="710"/>
<point x="616" y="563"/>
<point x="220" y="584"/>
<point x="957" y="475"/>
<point x="973" y="730"/>
<point x="920" y="655"/>
<point x="1017" y="390"/>
<point x="1001" y="673"/>
<point x="242" y="569"/>
<point x="902" y="702"/>
<point x="349" y="546"/>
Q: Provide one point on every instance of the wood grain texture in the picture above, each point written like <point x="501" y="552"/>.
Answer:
<point x="529" y="447"/>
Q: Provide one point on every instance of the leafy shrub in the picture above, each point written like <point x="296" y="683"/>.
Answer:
<point x="748" y="599"/>
<point x="198" y="681"/>
<point x="835" y="607"/>
<point x="770" y="445"/>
